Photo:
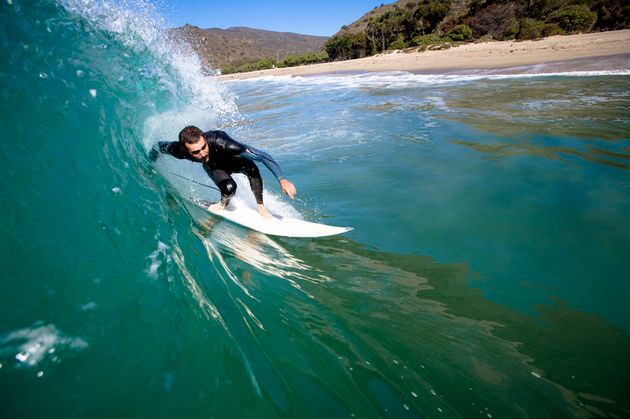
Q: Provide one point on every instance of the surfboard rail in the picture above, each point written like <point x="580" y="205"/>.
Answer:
<point x="277" y="226"/>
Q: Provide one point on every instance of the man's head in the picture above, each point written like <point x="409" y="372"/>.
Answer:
<point x="192" y="138"/>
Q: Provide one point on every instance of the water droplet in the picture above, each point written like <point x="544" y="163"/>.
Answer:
<point x="116" y="189"/>
<point x="433" y="392"/>
<point x="9" y="2"/>
<point x="40" y="374"/>
<point x="93" y="92"/>
<point x="535" y="374"/>
<point x="439" y="410"/>
<point x="414" y="394"/>
<point x="21" y="357"/>
<point x="43" y="75"/>
<point x="406" y="407"/>
<point x="79" y="73"/>
<point x="395" y="362"/>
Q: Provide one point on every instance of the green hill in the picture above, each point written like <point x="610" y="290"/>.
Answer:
<point x="428" y="23"/>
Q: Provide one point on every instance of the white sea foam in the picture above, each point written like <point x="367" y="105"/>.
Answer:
<point x="156" y="258"/>
<point x="401" y="79"/>
<point x="275" y="204"/>
<point x="30" y="346"/>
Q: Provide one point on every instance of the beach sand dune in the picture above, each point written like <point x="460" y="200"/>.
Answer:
<point x="486" y="55"/>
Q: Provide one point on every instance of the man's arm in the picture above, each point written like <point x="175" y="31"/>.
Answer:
<point x="233" y="147"/>
<point x="252" y="153"/>
<point x="174" y="148"/>
<point x="259" y="155"/>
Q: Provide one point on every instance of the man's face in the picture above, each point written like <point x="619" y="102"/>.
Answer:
<point x="198" y="150"/>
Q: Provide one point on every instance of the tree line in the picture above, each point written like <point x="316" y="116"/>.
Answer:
<point x="290" y="61"/>
<point x="427" y="23"/>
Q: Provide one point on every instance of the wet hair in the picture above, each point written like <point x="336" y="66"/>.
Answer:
<point x="189" y="135"/>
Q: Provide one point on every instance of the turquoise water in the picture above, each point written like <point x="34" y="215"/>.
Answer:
<point x="486" y="275"/>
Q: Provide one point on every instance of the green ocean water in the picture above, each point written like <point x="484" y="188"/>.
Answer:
<point x="486" y="275"/>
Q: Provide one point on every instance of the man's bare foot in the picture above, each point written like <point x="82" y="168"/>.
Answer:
<point x="216" y="207"/>
<point x="263" y="211"/>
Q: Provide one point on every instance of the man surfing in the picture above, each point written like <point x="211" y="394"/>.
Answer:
<point x="221" y="156"/>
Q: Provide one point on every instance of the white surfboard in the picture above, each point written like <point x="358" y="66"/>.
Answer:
<point x="277" y="226"/>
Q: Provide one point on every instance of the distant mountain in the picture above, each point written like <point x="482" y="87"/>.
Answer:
<point x="219" y="48"/>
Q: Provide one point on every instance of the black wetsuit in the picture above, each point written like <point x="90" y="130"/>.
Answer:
<point x="226" y="156"/>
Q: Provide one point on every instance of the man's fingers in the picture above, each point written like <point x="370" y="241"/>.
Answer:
<point x="288" y="188"/>
<point x="290" y="191"/>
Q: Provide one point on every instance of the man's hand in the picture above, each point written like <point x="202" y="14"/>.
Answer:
<point x="263" y="211"/>
<point x="288" y="188"/>
<point x="216" y="207"/>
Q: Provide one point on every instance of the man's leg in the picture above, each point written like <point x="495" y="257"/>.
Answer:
<point x="226" y="185"/>
<point x="255" y="181"/>
<point x="228" y="190"/>
<point x="250" y="169"/>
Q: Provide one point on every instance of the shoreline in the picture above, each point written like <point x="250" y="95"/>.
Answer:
<point x="559" y="51"/>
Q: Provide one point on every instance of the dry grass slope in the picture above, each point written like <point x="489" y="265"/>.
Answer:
<point x="219" y="48"/>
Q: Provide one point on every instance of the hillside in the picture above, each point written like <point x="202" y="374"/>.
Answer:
<point x="439" y="23"/>
<point x="219" y="48"/>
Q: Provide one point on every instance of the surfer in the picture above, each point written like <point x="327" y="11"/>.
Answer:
<point x="221" y="156"/>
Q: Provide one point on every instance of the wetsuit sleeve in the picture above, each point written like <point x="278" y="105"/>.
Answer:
<point x="232" y="147"/>
<point x="173" y="148"/>
<point x="252" y="153"/>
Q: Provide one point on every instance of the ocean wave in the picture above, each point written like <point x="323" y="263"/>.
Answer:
<point x="403" y="79"/>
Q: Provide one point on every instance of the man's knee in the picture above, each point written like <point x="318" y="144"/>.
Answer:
<point x="227" y="188"/>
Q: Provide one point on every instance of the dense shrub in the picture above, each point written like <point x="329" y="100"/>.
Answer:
<point x="229" y="70"/>
<point x="612" y="14"/>
<point x="511" y="29"/>
<point x="530" y="29"/>
<point x="308" y="58"/>
<point x="494" y="19"/>
<point x="397" y="44"/>
<point x="574" y="18"/>
<point x="425" y="40"/>
<point x="346" y="46"/>
<point x="264" y="64"/>
<point x="430" y="13"/>
<point x="460" y="33"/>
<point x="552" y="29"/>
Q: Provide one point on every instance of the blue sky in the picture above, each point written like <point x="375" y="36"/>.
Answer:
<point x="323" y="17"/>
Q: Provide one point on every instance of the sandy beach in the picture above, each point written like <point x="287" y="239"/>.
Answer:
<point x="487" y="55"/>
